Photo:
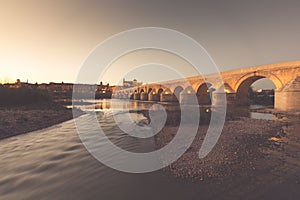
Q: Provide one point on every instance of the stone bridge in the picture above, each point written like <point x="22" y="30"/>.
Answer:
<point x="235" y="84"/>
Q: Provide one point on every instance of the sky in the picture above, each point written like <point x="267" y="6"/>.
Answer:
<point x="44" y="40"/>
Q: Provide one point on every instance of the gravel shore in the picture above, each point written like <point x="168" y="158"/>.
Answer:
<point x="239" y="151"/>
<point x="253" y="159"/>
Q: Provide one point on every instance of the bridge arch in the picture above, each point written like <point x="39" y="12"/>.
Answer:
<point x="160" y="90"/>
<point x="203" y="94"/>
<point x="256" y="75"/>
<point x="243" y="94"/>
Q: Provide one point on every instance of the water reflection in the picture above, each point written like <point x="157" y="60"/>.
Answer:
<point x="257" y="115"/>
<point x="173" y="110"/>
<point x="253" y="112"/>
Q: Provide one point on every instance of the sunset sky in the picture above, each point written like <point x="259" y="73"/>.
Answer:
<point x="44" y="40"/>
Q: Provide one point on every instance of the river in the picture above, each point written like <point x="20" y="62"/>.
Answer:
<point x="53" y="164"/>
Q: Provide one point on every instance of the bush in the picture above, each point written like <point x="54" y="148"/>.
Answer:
<point x="23" y="96"/>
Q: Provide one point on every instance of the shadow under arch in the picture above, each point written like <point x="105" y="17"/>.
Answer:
<point x="177" y="92"/>
<point x="243" y="93"/>
<point x="160" y="90"/>
<point x="204" y="94"/>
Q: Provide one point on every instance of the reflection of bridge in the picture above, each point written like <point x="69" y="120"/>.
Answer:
<point x="235" y="83"/>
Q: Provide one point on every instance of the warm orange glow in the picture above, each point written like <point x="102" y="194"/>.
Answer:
<point x="275" y="139"/>
<point x="6" y="80"/>
<point x="226" y="91"/>
<point x="14" y="86"/>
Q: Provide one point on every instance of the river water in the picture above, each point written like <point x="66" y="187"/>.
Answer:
<point x="53" y="164"/>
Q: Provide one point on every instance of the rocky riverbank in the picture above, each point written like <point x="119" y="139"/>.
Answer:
<point x="22" y="119"/>
<point x="239" y="151"/>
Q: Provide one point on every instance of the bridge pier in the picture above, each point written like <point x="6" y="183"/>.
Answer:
<point x="144" y="96"/>
<point x="231" y="98"/>
<point x="187" y="98"/>
<point x="287" y="101"/>
<point x="153" y="97"/>
<point x="137" y="96"/>
<point x="168" y="97"/>
<point x="218" y="98"/>
<point x="288" y="98"/>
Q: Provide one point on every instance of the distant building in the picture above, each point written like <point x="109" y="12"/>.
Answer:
<point x="19" y="84"/>
<point x="133" y="83"/>
<point x="64" y="90"/>
<point x="265" y="92"/>
<point x="65" y="87"/>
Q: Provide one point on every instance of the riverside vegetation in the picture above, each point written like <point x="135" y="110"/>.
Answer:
<point x="24" y="110"/>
